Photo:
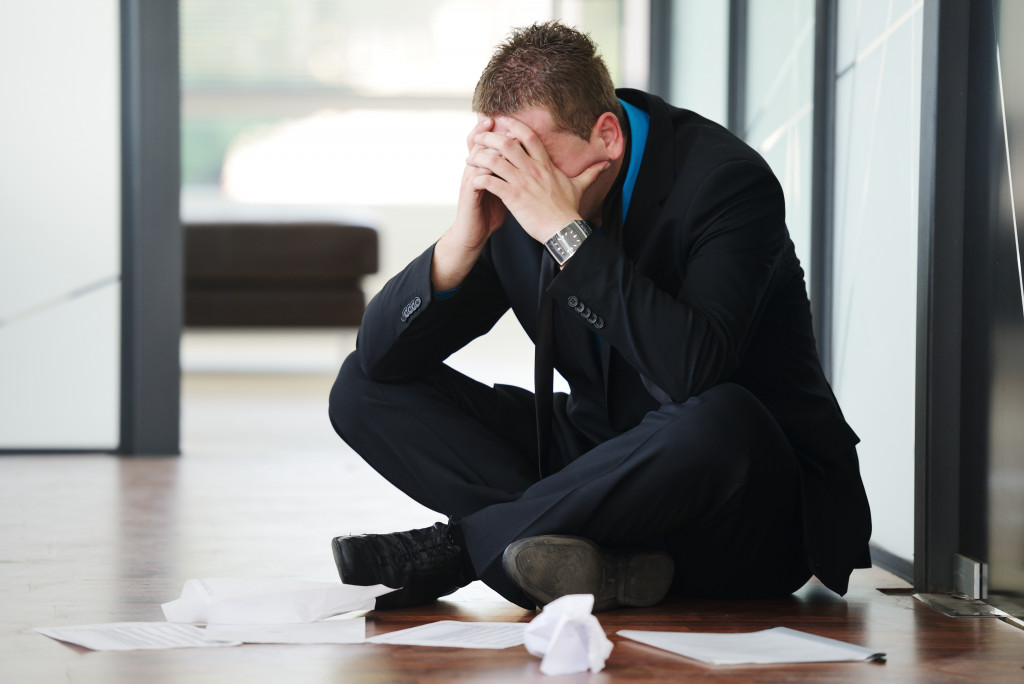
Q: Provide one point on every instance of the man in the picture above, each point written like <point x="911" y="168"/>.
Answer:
<point x="644" y="250"/>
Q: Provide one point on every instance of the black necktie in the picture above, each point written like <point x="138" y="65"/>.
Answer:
<point x="543" y="360"/>
<point x="544" y="352"/>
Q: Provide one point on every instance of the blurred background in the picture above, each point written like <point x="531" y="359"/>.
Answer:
<point x="355" y="112"/>
<point x="197" y="198"/>
<point x="307" y="150"/>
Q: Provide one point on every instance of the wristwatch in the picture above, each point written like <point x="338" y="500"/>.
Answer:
<point x="566" y="241"/>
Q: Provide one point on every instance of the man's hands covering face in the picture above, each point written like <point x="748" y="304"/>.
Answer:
<point x="510" y="169"/>
<point x="479" y="213"/>
<point x="515" y="167"/>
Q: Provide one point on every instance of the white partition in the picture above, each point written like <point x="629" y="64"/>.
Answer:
<point x="778" y="117"/>
<point x="874" y="317"/>
<point x="60" y="225"/>
<point x="700" y="57"/>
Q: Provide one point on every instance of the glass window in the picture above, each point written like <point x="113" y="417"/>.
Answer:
<point x="700" y="57"/>
<point x="779" y="111"/>
<point x="778" y="120"/>
<point x="875" y="251"/>
<point x="344" y="101"/>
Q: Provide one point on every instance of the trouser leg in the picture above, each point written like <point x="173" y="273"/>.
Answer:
<point x="449" y="442"/>
<point x="713" y="481"/>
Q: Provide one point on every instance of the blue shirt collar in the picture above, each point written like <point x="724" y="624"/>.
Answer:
<point x="639" y="125"/>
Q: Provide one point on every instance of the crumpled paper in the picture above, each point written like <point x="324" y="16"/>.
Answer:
<point x="568" y="637"/>
<point x="252" y="601"/>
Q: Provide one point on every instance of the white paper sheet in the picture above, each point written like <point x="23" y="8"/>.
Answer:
<point x="347" y="631"/>
<point x="568" y="637"/>
<point x="776" y="645"/>
<point x="132" y="636"/>
<point x="250" y="601"/>
<point x="454" y="634"/>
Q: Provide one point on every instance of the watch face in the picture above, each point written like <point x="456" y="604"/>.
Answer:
<point x="566" y="241"/>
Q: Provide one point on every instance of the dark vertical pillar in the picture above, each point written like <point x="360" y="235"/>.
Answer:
<point x="660" y="79"/>
<point x="985" y="162"/>
<point x="151" y="230"/>
<point x="992" y="461"/>
<point x="823" y="163"/>
<point x="737" y="66"/>
<point x="940" y="291"/>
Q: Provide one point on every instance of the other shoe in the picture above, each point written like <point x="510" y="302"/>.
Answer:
<point x="424" y="564"/>
<point x="550" y="566"/>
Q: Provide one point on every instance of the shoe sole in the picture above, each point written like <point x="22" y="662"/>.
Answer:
<point x="550" y="566"/>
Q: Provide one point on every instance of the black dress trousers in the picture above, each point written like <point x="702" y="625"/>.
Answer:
<point x="713" y="480"/>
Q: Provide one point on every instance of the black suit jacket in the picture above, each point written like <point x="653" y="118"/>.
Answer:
<point x="702" y="286"/>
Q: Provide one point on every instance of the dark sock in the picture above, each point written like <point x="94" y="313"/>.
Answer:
<point x="457" y="536"/>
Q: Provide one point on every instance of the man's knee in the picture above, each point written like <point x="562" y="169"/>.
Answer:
<point x="348" y="396"/>
<point x="721" y="429"/>
<point x="740" y="411"/>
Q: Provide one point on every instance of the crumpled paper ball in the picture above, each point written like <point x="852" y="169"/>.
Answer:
<point x="568" y="637"/>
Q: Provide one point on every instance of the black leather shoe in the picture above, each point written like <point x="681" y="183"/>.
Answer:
<point x="551" y="566"/>
<point x="426" y="564"/>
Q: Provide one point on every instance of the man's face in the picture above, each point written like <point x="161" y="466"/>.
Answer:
<point x="572" y="155"/>
<point x="569" y="153"/>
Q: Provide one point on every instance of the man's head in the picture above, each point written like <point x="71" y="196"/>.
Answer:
<point x="549" y="66"/>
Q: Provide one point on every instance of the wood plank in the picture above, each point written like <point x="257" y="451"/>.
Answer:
<point x="263" y="486"/>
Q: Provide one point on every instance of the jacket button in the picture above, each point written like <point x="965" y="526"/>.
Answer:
<point x="573" y="301"/>
<point x="586" y="312"/>
<point x="580" y="307"/>
<point x="410" y="308"/>
<point x="592" y="319"/>
<point x="600" y="323"/>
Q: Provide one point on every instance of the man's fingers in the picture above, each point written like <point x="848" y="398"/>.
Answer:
<point x="518" y="143"/>
<point x="492" y="184"/>
<point x="590" y="174"/>
<point x="483" y="124"/>
<point x="505" y="146"/>
<point x="526" y="137"/>
<point x="472" y="171"/>
<point x="491" y="160"/>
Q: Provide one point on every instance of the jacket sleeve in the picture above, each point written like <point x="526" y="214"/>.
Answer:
<point x="728" y="236"/>
<point x="407" y="332"/>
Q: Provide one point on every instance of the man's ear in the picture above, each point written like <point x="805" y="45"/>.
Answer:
<point x="609" y="133"/>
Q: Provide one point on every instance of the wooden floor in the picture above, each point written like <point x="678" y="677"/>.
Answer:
<point x="262" y="487"/>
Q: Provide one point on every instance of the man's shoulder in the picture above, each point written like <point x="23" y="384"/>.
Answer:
<point x="699" y="143"/>
<point x="707" y="144"/>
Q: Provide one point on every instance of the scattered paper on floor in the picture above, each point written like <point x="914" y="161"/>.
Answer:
<point x="251" y="601"/>
<point x="347" y="631"/>
<point x="776" y="645"/>
<point x="132" y="636"/>
<point x="455" y="634"/>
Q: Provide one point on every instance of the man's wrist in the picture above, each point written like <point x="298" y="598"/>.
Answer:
<point x="564" y="243"/>
<point x="452" y="260"/>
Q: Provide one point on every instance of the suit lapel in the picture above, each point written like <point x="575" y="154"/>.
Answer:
<point x="653" y="184"/>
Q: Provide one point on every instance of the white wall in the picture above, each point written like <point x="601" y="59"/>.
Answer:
<point x="878" y="93"/>
<point x="778" y="118"/>
<point x="60" y="224"/>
